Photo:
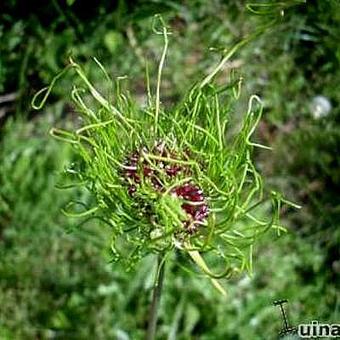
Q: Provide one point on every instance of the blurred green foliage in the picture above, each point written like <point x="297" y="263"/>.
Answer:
<point x="59" y="284"/>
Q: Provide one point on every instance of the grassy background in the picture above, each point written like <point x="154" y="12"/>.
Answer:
<point x="56" y="280"/>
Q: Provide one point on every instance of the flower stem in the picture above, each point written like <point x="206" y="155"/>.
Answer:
<point x="156" y="297"/>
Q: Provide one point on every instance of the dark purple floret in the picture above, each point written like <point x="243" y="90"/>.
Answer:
<point x="195" y="205"/>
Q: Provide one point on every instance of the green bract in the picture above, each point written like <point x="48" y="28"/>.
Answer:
<point x="195" y="135"/>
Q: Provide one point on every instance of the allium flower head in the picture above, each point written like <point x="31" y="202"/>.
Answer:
<point x="173" y="179"/>
<point x="137" y="168"/>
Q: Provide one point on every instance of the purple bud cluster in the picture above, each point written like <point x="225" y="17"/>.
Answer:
<point x="136" y="167"/>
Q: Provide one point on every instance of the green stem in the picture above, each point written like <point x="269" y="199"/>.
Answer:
<point x="156" y="297"/>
